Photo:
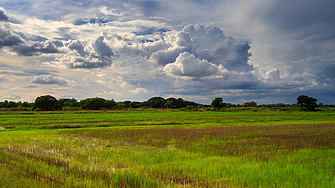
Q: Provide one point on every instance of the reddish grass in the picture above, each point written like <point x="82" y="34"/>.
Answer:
<point x="223" y="141"/>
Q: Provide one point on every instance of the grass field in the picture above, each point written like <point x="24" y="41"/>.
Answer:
<point x="167" y="149"/>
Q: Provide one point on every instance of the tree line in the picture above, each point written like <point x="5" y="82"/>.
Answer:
<point x="50" y="103"/>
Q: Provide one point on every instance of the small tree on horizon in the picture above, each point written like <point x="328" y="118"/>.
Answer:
<point x="217" y="103"/>
<point x="307" y="103"/>
<point x="46" y="103"/>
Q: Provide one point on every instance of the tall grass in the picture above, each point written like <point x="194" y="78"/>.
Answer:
<point x="168" y="149"/>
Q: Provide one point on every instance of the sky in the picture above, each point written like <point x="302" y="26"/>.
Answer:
<point x="267" y="51"/>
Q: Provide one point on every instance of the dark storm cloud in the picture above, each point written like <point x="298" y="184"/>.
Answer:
<point x="301" y="13"/>
<point x="306" y="62"/>
<point x="310" y="20"/>
<point x="3" y="16"/>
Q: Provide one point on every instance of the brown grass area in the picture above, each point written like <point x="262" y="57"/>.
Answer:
<point x="261" y="142"/>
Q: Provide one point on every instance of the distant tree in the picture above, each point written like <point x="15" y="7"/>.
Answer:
<point x="169" y="105"/>
<point x="4" y="104"/>
<point x="250" y="104"/>
<point x="176" y="103"/>
<point x="307" y="103"/>
<point x="217" y="103"/>
<point x="46" y="103"/>
<point x="68" y="102"/>
<point x="110" y="104"/>
<point x="127" y="103"/>
<point x="25" y="104"/>
<point x="93" y="103"/>
<point x="11" y="104"/>
<point x="121" y="105"/>
<point x="156" y="102"/>
<point x="190" y="103"/>
<point x="134" y="104"/>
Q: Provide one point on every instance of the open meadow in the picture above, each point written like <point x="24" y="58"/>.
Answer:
<point x="156" y="148"/>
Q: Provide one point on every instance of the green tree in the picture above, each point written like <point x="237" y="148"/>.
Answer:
<point x="156" y="102"/>
<point x="169" y="105"/>
<point x="110" y="104"/>
<point x="176" y="103"/>
<point x="68" y="102"/>
<point x="217" y="103"/>
<point x="46" y="103"/>
<point x="4" y="104"/>
<point x="250" y="104"/>
<point x="93" y="103"/>
<point x="307" y="103"/>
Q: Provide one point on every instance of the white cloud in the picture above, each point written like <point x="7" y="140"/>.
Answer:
<point x="51" y="79"/>
<point x="273" y="74"/>
<point x="204" y="42"/>
<point x="96" y="54"/>
<point x="187" y="65"/>
<point x="139" y="90"/>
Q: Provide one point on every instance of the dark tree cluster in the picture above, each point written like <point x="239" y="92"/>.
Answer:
<point x="21" y="106"/>
<point x="50" y="103"/>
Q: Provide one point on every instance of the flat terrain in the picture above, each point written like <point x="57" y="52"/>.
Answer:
<point x="167" y="149"/>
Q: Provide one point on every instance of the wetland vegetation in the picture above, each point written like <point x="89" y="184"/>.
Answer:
<point x="167" y="148"/>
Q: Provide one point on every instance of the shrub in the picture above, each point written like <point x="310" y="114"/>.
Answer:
<point x="67" y="108"/>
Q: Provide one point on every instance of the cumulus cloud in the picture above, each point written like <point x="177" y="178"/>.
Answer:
<point x="95" y="54"/>
<point x="139" y="90"/>
<point x="273" y="74"/>
<point x="198" y="59"/>
<point x="187" y="64"/>
<point x="22" y="47"/>
<point x="7" y="37"/>
<point x="209" y="43"/>
<point x="51" y="79"/>
<point x="35" y="48"/>
<point x="3" y="16"/>
<point x="204" y="42"/>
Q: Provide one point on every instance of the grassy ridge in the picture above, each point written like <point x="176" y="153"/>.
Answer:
<point x="168" y="149"/>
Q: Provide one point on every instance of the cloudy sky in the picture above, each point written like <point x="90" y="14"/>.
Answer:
<point x="240" y="50"/>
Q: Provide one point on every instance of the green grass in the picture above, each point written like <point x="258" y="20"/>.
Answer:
<point x="168" y="149"/>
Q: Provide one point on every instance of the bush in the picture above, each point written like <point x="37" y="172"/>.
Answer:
<point x="37" y="109"/>
<point x="189" y="107"/>
<point x="67" y="108"/>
